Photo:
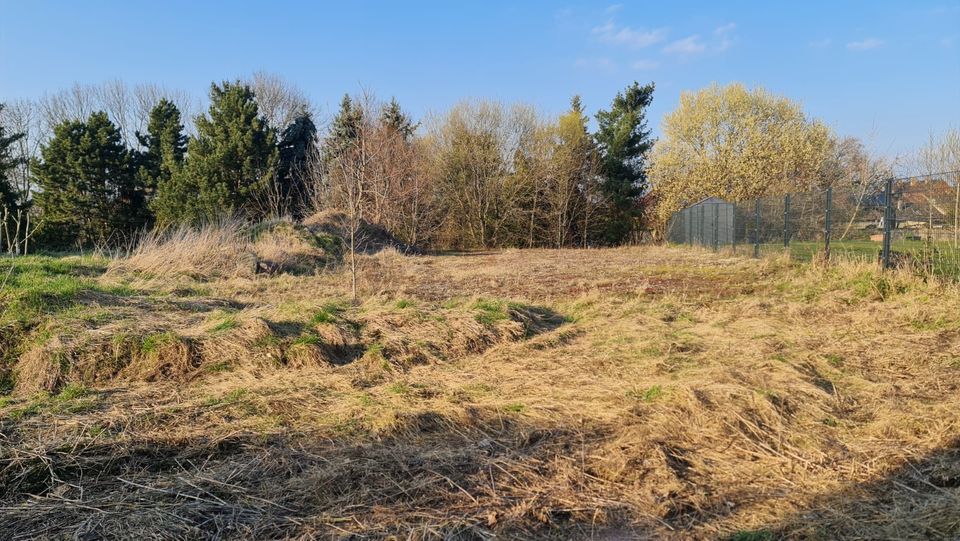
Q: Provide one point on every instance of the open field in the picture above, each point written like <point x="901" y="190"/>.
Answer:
<point x="629" y="393"/>
<point x="938" y="258"/>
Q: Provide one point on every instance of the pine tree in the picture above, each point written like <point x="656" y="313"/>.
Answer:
<point x="9" y="198"/>
<point x="89" y="190"/>
<point x="230" y="163"/>
<point x="345" y="129"/>
<point x="624" y="141"/>
<point x="296" y="146"/>
<point x="393" y="118"/>
<point x="165" y="146"/>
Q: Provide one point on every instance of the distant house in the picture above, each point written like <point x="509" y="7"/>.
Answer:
<point x="928" y="203"/>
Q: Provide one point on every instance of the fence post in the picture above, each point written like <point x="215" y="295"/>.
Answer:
<point x="887" y="222"/>
<point x="756" y="229"/>
<point x="703" y="220"/>
<point x="786" y="221"/>
<point x="733" y="227"/>
<point x="827" y="224"/>
<point x="716" y="227"/>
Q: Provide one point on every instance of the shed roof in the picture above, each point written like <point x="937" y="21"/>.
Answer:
<point x="711" y="200"/>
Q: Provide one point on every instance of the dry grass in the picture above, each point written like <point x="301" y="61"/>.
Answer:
<point x="612" y="394"/>
<point x="214" y="251"/>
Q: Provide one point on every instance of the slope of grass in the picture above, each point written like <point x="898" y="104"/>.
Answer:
<point x="626" y="393"/>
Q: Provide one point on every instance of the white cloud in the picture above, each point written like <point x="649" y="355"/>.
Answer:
<point x="725" y="29"/>
<point x="600" y="63"/>
<point x="725" y="35"/>
<point x="864" y="45"/>
<point x="687" y="46"/>
<point x="629" y="37"/>
<point x="613" y="8"/>
<point x="644" y="65"/>
<point x="821" y="43"/>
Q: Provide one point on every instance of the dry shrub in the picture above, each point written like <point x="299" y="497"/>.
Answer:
<point x="213" y="251"/>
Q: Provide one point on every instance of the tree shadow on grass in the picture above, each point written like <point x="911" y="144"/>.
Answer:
<point x="470" y="476"/>
<point x="918" y="500"/>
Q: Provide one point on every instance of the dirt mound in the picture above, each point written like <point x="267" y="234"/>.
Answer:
<point x="232" y="248"/>
<point x="371" y="238"/>
<point x="282" y="246"/>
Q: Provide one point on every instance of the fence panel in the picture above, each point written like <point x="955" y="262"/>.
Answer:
<point x="918" y="222"/>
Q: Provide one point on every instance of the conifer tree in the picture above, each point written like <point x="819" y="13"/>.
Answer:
<point x="345" y="129"/>
<point x="8" y="194"/>
<point x="89" y="192"/>
<point x="624" y="141"/>
<point x="165" y="146"/>
<point x="297" y="145"/>
<point x="230" y="163"/>
<point x="394" y="119"/>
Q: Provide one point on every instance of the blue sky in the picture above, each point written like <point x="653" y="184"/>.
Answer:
<point x="888" y="72"/>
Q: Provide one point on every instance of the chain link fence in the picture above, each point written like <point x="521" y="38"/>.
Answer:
<point x="901" y="222"/>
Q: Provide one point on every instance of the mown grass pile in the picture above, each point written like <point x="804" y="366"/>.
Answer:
<point x="625" y="393"/>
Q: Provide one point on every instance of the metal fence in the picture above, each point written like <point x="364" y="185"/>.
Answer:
<point x="901" y="222"/>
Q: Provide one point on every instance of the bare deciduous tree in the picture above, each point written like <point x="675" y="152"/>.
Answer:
<point x="279" y="101"/>
<point x="348" y="172"/>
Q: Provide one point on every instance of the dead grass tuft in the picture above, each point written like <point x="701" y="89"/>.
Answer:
<point x="214" y="251"/>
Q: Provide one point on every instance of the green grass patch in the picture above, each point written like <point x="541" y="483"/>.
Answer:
<point x="40" y="285"/>
<point x="72" y="391"/>
<point x="328" y="313"/>
<point x="225" y="324"/>
<point x="834" y="360"/>
<point x="268" y="341"/>
<point x="375" y="349"/>
<point x="153" y="342"/>
<point x="751" y="535"/>
<point x="646" y="395"/>
<point x="232" y="397"/>
<point x="307" y="339"/>
<point x="72" y="399"/>
<point x="515" y="407"/>
<point x="477" y="389"/>
<point x="490" y="311"/>
<point x="931" y="323"/>
<point x="400" y="388"/>
<point x="221" y="366"/>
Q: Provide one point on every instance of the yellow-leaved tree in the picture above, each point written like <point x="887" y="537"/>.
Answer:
<point x="737" y="144"/>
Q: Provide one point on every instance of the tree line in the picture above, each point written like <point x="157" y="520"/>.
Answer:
<point x="92" y="165"/>
<point x="482" y="175"/>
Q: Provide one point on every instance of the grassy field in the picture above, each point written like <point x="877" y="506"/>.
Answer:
<point x="631" y="393"/>
<point x="939" y="258"/>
